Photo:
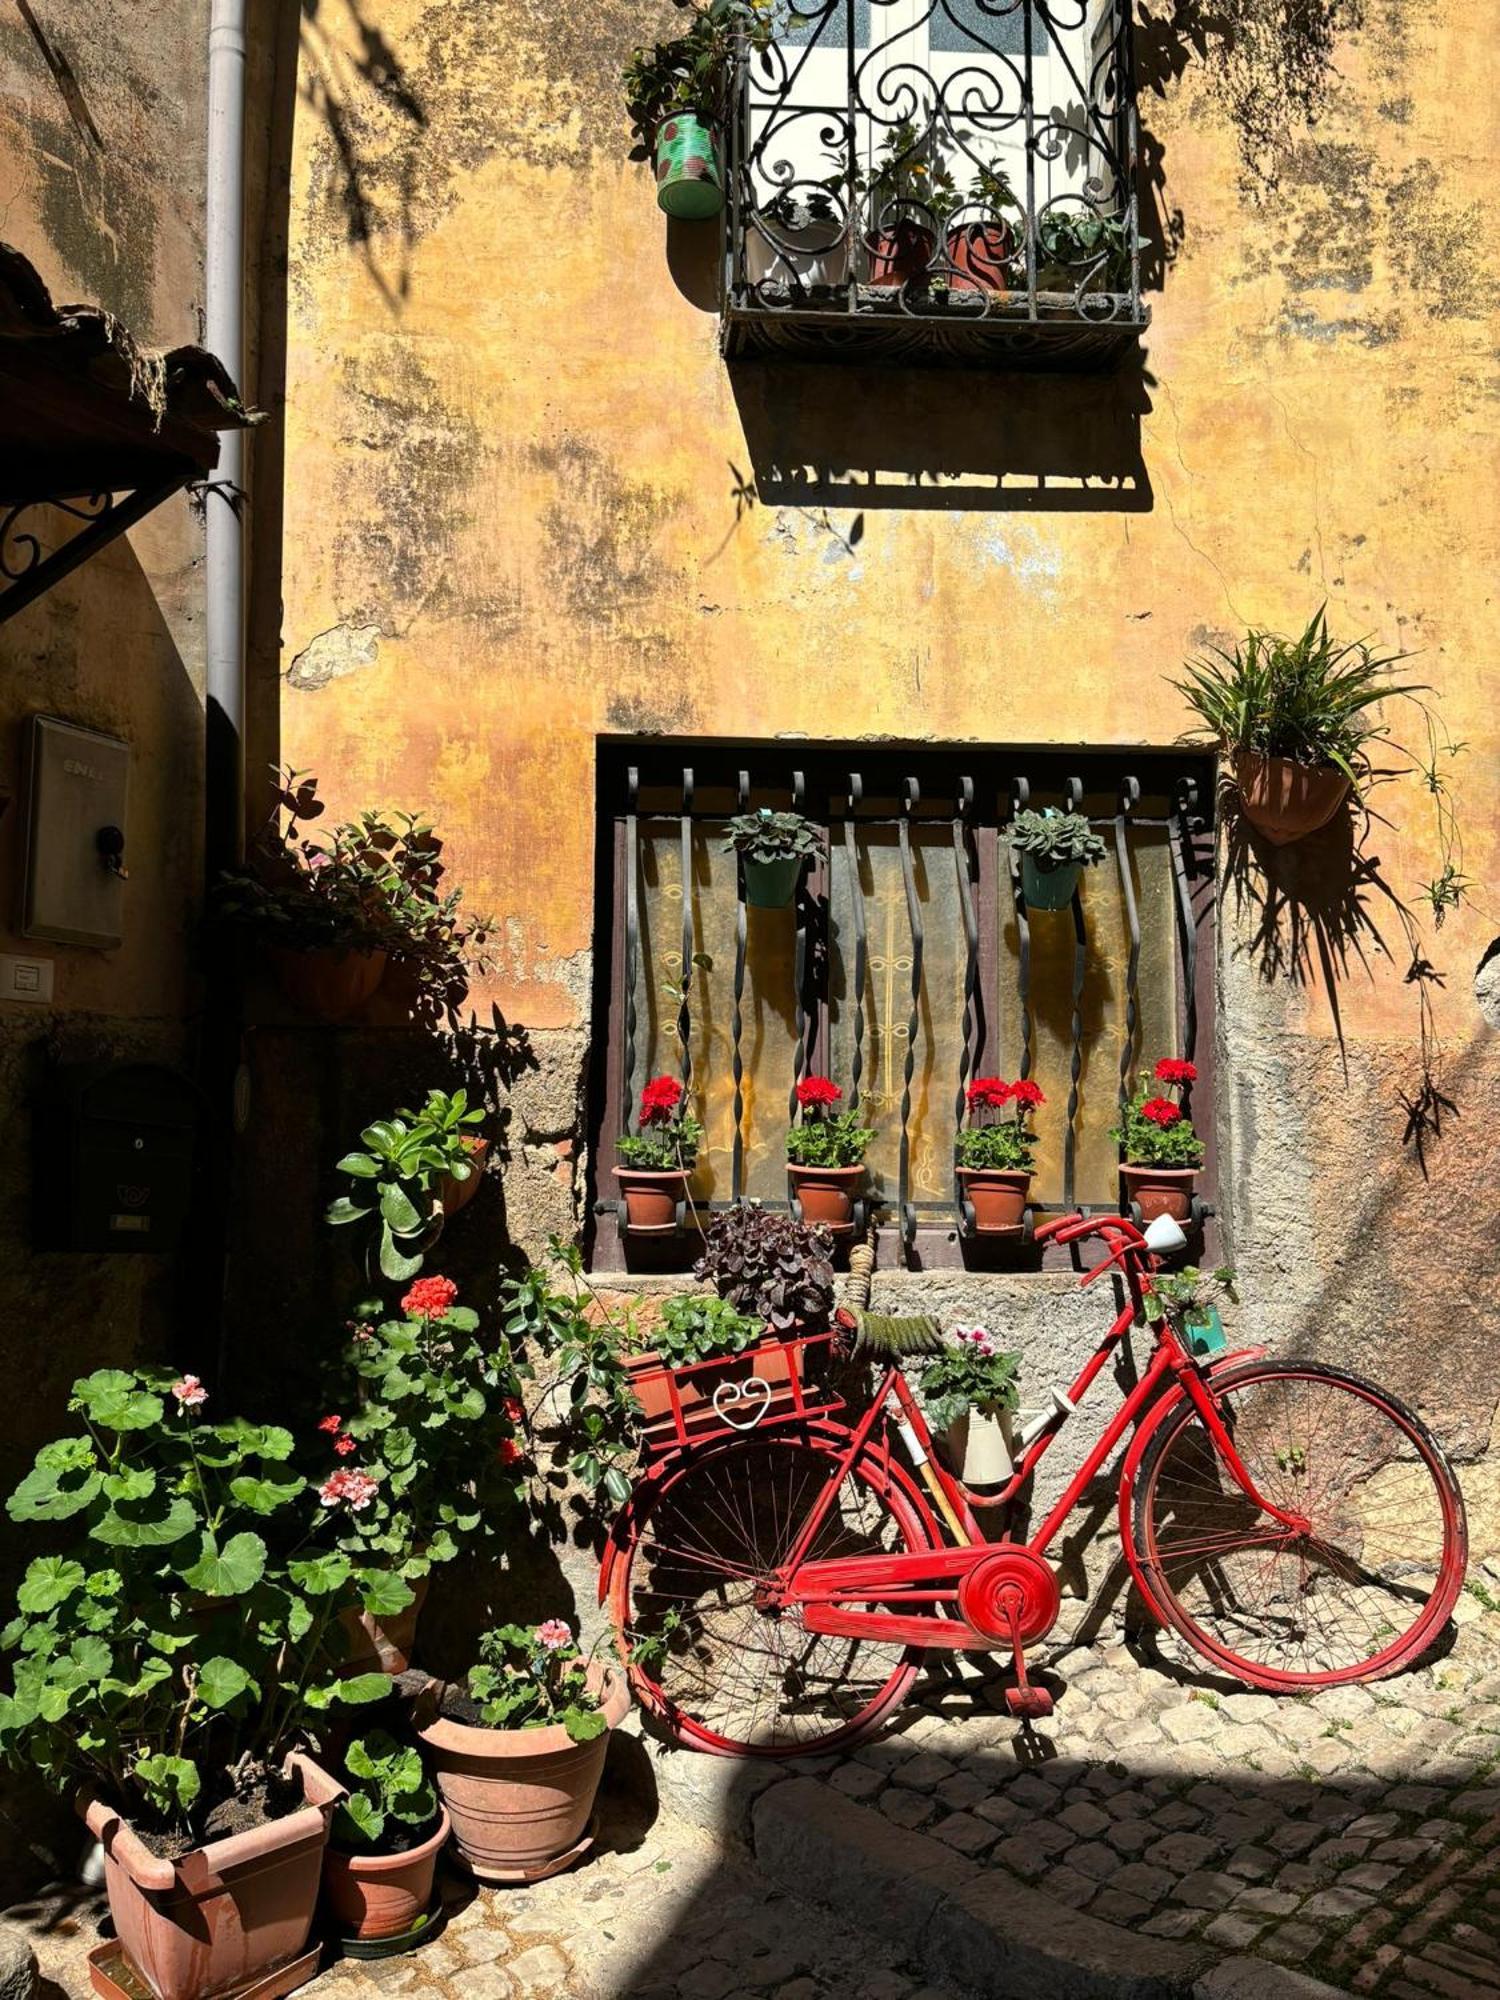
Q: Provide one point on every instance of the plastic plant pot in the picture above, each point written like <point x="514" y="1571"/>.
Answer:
<point x="1205" y="1331"/>
<point x="1287" y="801"/>
<point x="1049" y="888"/>
<point x="997" y="1196"/>
<point x="687" y="169"/>
<point x="770" y="885"/>
<point x="327" y="985"/>
<point x="903" y="255"/>
<point x="383" y="1895"/>
<point x="651" y="1198"/>
<point x="827" y="1194"/>
<point x="1161" y="1191"/>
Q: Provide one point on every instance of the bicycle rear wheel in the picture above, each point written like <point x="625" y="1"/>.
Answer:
<point x="1370" y="1583"/>
<point x="694" y="1604"/>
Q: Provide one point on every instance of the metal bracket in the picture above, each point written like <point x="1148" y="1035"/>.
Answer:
<point x="30" y="574"/>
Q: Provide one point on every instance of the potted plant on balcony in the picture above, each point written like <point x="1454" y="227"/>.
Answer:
<point x="1160" y="1151"/>
<point x="655" y="1161"/>
<point x="519" y="1749"/>
<point x="677" y="93"/>
<point x="912" y="193"/>
<point x="687" y="1329"/>
<point x="1296" y="718"/>
<point x="420" y="1458"/>
<point x="981" y="249"/>
<point x="995" y="1153"/>
<point x="168" y="1668"/>
<point x="1189" y="1299"/>
<point x="402" y="1176"/>
<point x="825" y="1153"/>
<point x="773" y="847"/>
<point x="1080" y="250"/>
<point x="969" y="1390"/>
<point x="799" y="235"/>
<point x="382" y="1854"/>
<point x="1055" y="848"/>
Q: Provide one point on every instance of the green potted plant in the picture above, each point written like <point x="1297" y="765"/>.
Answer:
<point x="382" y="1854"/>
<point x="519" y="1749"/>
<point x="656" y="1160"/>
<point x="1160" y="1151"/>
<point x="825" y="1153"/>
<point x="773" y="848"/>
<point x="420" y="1460"/>
<point x="687" y="1329"/>
<point x="1055" y="848"/>
<point x="969" y="1390"/>
<point x="1079" y="250"/>
<point x="912" y="193"/>
<point x="1296" y="718"/>
<point x="1189" y="1299"/>
<point x="402" y="1177"/>
<point x="981" y="248"/>
<point x="676" y="92"/>
<point x="776" y="1269"/>
<point x="168" y="1668"/>
<point x="995" y="1154"/>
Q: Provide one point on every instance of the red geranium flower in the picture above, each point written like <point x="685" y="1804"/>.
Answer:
<point x="344" y="1445"/>
<point x="513" y="1409"/>
<point x="510" y="1451"/>
<point x="1170" y="1070"/>
<point x="659" y="1099"/>
<point x="1027" y="1093"/>
<point x="429" y="1298"/>
<point x="329" y="1424"/>
<point x="988" y="1093"/>
<point x="817" y="1090"/>
<point x="1161" y="1111"/>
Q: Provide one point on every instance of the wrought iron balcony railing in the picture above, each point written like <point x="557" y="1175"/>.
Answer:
<point x="936" y="180"/>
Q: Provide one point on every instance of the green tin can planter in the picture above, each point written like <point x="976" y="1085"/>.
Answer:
<point x="1205" y="1332"/>
<point x="1049" y="888"/>
<point x="687" y="169"/>
<point x="771" y="885"/>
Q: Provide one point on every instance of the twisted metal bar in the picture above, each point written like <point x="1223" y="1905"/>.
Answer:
<point x="799" y="966"/>
<point x="861" y="940"/>
<point x="1130" y="795"/>
<point x="1184" y="799"/>
<point x="1074" y="800"/>
<point x="1020" y="793"/>
<point x="912" y="798"/>
<point x="736" y="1019"/>
<point x="684" y="1009"/>
<point x="966" y="1060"/>
<point x="632" y="933"/>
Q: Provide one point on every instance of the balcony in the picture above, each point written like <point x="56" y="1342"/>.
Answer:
<point x="936" y="181"/>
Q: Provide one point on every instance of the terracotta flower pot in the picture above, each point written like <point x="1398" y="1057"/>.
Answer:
<point x="651" y="1198"/>
<point x="328" y="985"/>
<point x="1161" y="1191"/>
<point x="221" y="1915"/>
<point x="383" y="1645"/>
<point x="1285" y="801"/>
<point x="902" y="255"/>
<point x="827" y="1194"/>
<point x="381" y="1895"/>
<point x="979" y="253"/>
<point x="520" y="1799"/>
<point x="456" y="1194"/>
<point x="998" y="1195"/>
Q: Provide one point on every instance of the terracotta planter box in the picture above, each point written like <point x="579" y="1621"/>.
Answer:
<point x="827" y="1194"/>
<point x="382" y="1895"/>
<point x="455" y="1194"/>
<point x="383" y="1645"/>
<point x="696" y="1388"/>
<point x="998" y="1195"/>
<point x="1161" y="1191"/>
<point x="520" y="1799"/>
<point x="224" y="1914"/>
<point x="328" y="985"/>
<point x="1286" y="801"/>
<point x="651" y="1199"/>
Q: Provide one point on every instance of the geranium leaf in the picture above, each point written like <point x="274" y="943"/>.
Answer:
<point x="158" y="1529"/>
<point x="115" y="1399"/>
<point x="50" y="1581"/>
<point x="222" y="1680"/>
<point x="230" y="1571"/>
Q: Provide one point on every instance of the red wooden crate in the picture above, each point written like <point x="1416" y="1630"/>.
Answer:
<point x="714" y="1399"/>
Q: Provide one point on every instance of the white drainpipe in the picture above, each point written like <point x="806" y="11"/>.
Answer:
<point x="224" y="335"/>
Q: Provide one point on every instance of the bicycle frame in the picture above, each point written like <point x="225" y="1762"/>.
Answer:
<point x="931" y="1576"/>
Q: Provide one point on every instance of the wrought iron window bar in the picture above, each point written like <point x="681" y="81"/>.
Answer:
<point x="1005" y="782"/>
<point x="939" y="180"/>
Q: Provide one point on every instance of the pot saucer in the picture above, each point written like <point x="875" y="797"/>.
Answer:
<point x="423" y="1931"/>
<point x="113" y="1977"/>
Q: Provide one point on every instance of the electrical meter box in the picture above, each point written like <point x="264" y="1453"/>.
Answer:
<point x="114" y="1159"/>
<point x="75" y="835"/>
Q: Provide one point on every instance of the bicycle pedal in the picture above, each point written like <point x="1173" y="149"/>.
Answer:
<point x="1031" y="1702"/>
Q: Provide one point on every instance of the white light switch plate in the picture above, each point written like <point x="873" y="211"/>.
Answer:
<point x="26" y="979"/>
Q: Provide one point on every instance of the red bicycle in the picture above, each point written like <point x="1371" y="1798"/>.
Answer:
<point x="779" y="1572"/>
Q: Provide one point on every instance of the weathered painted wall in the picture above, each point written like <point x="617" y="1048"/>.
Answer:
<point x="528" y="504"/>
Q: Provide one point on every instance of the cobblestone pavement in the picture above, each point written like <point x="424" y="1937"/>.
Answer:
<point x="1354" y="1834"/>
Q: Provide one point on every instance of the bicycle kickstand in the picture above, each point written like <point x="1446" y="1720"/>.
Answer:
<point x="1023" y="1699"/>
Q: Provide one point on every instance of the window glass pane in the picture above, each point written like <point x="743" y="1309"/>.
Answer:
<point x="828" y="25"/>
<point x="977" y="25"/>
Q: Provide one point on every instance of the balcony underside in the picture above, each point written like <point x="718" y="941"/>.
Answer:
<point x="963" y="330"/>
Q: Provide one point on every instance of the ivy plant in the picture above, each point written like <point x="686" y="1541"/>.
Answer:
<point x="388" y="1790"/>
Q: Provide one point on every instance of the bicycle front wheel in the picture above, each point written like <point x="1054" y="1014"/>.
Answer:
<point x="1357" y="1595"/>
<point x="711" y="1650"/>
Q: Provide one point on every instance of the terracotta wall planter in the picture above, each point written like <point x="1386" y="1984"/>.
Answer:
<point x="827" y="1194"/>
<point x="651" y="1198"/>
<point x="456" y="1194"/>
<point x="903" y="255"/>
<point x="222" y="1914"/>
<point x="1286" y="801"/>
<point x="383" y="1645"/>
<point x="998" y="1195"/>
<point x="382" y="1895"/>
<point x="328" y="985"/>
<point x="979" y="253"/>
<point x="1161" y="1191"/>
<point x="520" y="1799"/>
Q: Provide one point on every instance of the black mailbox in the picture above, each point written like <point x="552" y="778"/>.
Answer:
<point x="114" y="1157"/>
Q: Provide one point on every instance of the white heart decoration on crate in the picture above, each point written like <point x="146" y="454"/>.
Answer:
<point x="754" y="1390"/>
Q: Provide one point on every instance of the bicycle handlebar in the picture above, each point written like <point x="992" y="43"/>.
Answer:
<point x="1072" y="1228"/>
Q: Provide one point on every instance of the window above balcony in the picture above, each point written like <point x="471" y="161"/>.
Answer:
<point x="936" y="180"/>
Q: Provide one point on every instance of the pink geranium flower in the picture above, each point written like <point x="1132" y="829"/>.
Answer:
<point x="553" y="1634"/>
<point x="189" y="1392"/>
<point x="351" y="1488"/>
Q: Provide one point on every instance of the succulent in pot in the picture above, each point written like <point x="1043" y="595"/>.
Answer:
<point x="383" y="1849"/>
<point x="1160" y="1151"/>
<point x="1054" y="849"/>
<point x="519" y="1750"/>
<point x="969" y="1390"/>
<point x="773" y="848"/>
<point x="995" y="1152"/>
<point x="1189" y="1299"/>
<point x="401" y="1179"/>
<point x="169" y="1668"/>
<point x="657" y="1159"/>
<point x="825" y="1152"/>
<point x="1296" y="718"/>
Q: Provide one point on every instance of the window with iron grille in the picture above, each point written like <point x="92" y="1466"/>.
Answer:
<point x="907" y="966"/>
<point x="936" y="179"/>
